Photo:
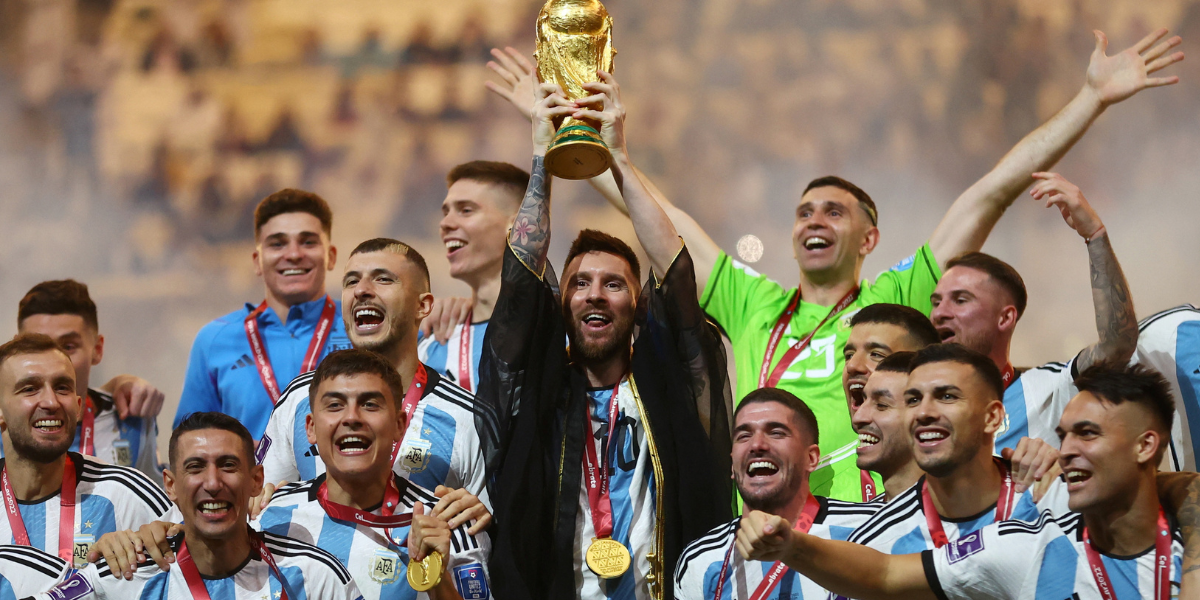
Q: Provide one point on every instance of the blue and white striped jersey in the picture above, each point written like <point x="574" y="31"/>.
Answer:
<point x="444" y="357"/>
<point x="1040" y="560"/>
<point x="379" y="565"/>
<point x="900" y="526"/>
<point x="1169" y="342"/>
<point x="311" y="574"/>
<point x="109" y="498"/>
<point x="131" y="442"/>
<point x="699" y="566"/>
<point x="26" y="571"/>
<point x="441" y="446"/>
<point x="1034" y="403"/>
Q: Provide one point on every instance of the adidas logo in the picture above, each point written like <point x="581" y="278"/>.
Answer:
<point x="312" y="451"/>
<point x="244" y="361"/>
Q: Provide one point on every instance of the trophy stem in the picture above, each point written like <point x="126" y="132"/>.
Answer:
<point x="577" y="152"/>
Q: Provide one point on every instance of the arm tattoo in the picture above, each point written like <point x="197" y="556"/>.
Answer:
<point x="529" y="237"/>
<point x="1188" y="517"/>
<point x="1116" y="321"/>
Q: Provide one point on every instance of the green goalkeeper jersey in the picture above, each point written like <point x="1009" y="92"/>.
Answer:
<point x="747" y="305"/>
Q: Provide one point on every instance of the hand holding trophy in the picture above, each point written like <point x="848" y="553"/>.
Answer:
<point x="574" y="40"/>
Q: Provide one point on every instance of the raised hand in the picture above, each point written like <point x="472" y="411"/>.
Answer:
<point x="552" y="103"/>
<point x="1117" y="77"/>
<point x="606" y="95"/>
<point x="1057" y="191"/>
<point x="764" y="537"/>
<point x="134" y="397"/>
<point x="456" y="507"/>
<point x="520" y="80"/>
<point x="447" y="313"/>
<point x="428" y="534"/>
<point x="1031" y="461"/>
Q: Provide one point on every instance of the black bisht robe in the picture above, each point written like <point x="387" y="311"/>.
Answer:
<point x="529" y="394"/>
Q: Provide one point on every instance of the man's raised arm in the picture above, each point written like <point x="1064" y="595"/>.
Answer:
<point x="529" y="236"/>
<point x="1110" y="79"/>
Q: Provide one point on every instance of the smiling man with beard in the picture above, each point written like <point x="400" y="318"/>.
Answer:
<point x="604" y="460"/>
<point x="774" y="451"/>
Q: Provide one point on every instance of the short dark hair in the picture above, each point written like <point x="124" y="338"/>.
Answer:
<point x="958" y="353"/>
<point x="289" y="200"/>
<point x="1001" y="272"/>
<point x="491" y="172"/>
<point x="918" y="326"/>
<point x="864" y="200"/>
<point x="590" y="240"/>
<point x="803" y="413"/>
<point x="1117" y="383"/>
<point x="30" y="343"/>
<point x="356" y="361"/>
<point x="59" y="297"/>
<point x="210" y="420"/>
<point x="395" y="247"/>
<point x="896" y="362"/>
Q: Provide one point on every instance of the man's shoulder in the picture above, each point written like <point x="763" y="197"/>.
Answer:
<point x="449" y="396"/>
<point x="890" y="517"/>
<point x="297" y="494"/>
<point x="120" y="485"/>
<point x="316" y="563"/>
<point x="844" y="513"/>
<point x="706" y="549"/>
<point x="296" y="393"/>
<point x="224" y="322"/>
<point x="28" y="561"/>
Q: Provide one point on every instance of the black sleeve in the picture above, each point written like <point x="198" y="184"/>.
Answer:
<point x="931" y="574"/>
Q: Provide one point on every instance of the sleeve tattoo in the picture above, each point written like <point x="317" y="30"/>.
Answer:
<point x="1116" y="321"/>
<point x="529" y="237"/>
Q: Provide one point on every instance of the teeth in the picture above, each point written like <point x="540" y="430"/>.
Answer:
<point x="368" y="312"/>
<point x="48" y="423"/>
<point x="595" y="317"/>
<point x="453" y="245"/>
<point x="856" y="386"/>
<point x="815" y="241"/>
<point x="931" y="435"/>
<point x="866" y="439"/>
<point x="762" y="464"/>
<point x="215" y="506"/>
<point x="1075" y="476"/>
<point x="352" y="440"/>
<point x="287" y="272"/>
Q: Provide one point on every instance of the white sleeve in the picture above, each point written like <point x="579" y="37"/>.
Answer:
<point x="83" y="584"/>
<point x="984" y="564"/>
<point x="277" y="458"/>
<point x="1052" y="387"/>
<point x="689" y="585"/>
<point x="468" y="569"/>
<point x="474" y="476"/>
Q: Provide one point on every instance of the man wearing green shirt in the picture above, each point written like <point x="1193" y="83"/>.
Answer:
<point x="836" y="228"/>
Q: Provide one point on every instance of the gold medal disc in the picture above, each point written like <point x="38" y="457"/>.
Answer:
<point x="608" y="558"/>
<point x="426" y="574"/>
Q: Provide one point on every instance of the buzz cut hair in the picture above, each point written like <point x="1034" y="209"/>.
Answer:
<point x="1118" y="383"/>
<point x="59" y="297"/>
<point x="289" y="200"/>
<point x="357" y="361"/>
<point x="983" y="366"/>
<point x="914" y="322"/>
<point x="395" y="247"/>
<point x="864" y="199"/>
<point x="198" y="421"/>
<point x="1000" y="272"/>
<point x="500" y="174"/>
<point x="896" y="362"/>
<point x="31" y="343"/>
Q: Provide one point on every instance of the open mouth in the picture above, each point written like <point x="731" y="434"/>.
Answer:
<point x="214" y="508"/>
<point x="931" y="437"/>
<point x="294" y="272"/>
<point x="367" y="319"/>
<point x="352" y="445"/>
<point x="48" y="425"/>
<point x="866" y="440"/>
<point x="596" y="321"/>
<point x="1076" y="477"/>
<point x="762" y="468"/>
<point x="453" y="246"/>
<point x="817" y="243"/>
<point x="945" y="334"/>
<point x="857" y="395"/>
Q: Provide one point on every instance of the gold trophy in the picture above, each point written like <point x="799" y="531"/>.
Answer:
<point x="574" y="39"/>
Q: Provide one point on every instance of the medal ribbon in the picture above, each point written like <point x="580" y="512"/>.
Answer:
<point x="775" y="573"/>
<point x="868" y="486"/>
<point x="597" y="471"/>
<point x="465" y="364"/>
<point x="386" y="521"/>
<point x="87" y="441"/>
<point x="1008" y="374"/>
<point x="770" y="378"/>
<point x="66" y="512"/>
<point x="1162" y="563"/>
<point x="412" y="397"/>
<point x="1004" y="506"/>
<point x="195" y="582"/>
<point x="259" y="348"/>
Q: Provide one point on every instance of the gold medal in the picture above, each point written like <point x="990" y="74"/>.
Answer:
<point x="426" y="574"/>
<point x="608" y="558"/>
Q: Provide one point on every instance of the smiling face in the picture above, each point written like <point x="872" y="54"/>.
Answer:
<point x="1104" y="449"/>
<point x="971" y="309"/>
<point x="599" y="297"/>
<point x="772" y="455"/>
<point x="39" y="407"/>
<point x="212" y="483"/>
<point x="868" y="344"/>
<point x="292" y="254"/>
<point x="79" y="340"/>
<point x="883" y="440"/>
<point x="474" y="227"/>
<point x="832" y="233"/>
<point x="384" y="298"/>
<point x="354" y="421"/>
<point x="951" y="416"/>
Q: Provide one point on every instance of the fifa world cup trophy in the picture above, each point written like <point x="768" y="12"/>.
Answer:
<point x="574" y="39"/>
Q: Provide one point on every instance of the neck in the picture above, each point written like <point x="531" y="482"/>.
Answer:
<point x="897" y="480"/>
<point x="999" y="353"/>
<point x="362" y="493"/>
<point x="607" y="372"/>
<point x="1127" y="525"/>
<point x="281" y="305"/>
<point x="969" y="490"/>
<point x="404" y="358"/>
<point x="826" y="289"/>
<point x="484" y="292"/>
<point x="33" y="480"/>
<point x="218" y="557"/>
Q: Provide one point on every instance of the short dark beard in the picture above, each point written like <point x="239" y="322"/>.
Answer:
<point x="771" y="503"/>
<point x="27" y="450"/>
<point x="592" y="353"/>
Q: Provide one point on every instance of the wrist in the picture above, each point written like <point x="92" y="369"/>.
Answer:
<point x="1091" y="97"/>
<point x="1101" y="231"/>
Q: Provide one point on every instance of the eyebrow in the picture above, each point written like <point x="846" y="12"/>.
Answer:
<point x="884" y="393"/>
<point x="942" y="389"/>
<point x="767" y="425"/>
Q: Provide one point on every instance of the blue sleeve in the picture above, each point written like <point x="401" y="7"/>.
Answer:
<point x="200" y="392"/>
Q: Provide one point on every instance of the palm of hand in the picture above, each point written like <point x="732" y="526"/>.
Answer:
<point x="1117" y="77"/>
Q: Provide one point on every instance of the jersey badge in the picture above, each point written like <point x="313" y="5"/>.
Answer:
<point x="472" y="585"/>
<point x="414" y="455"/>
<point x="74" y="587"/>
<point x="263" y="445"/>
<point x="123" y="453"/>
<point x="83" y="545"/>
<point x="385" y="567"/>
<point x="965" y="547"/>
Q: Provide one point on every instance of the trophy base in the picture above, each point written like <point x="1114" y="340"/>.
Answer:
<point x="577" y="152"/>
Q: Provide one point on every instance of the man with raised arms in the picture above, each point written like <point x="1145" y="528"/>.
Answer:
<point x="616" y="459"/>
<point x="241" y="362"/>
<point x="211" y="478"/>
<point x="774" y="450"/>
<point x="55" y="500"/>
<point x="385" y="295"/>
<point x="1117" y="542"/>
<point x="980" y="298"/>
<point x="793" y="338"/>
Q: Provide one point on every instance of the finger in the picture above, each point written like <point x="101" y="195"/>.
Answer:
<point x="441" y="491"/>
<point x="465" y="514"/>
<point x="504" y="74"/>
<point x="1149" y="40"/>
<point x="506" y="61"/>
<point x="1101" y="42"/>
<point x="444" y="504"/>
<point x="1162" y="48"/>
<point x="560" y="111"/>
<point x="594" y="114"/>
<point x="1161" y="81"/>
<point x="1163" y="62"/>
<point x="159" y="398"/>
<point x="607" y="77"/>
<point x="1006" y="454"/>
<point x="601" y="100"/>
<point x="520" y="59"/>
<point x="482" y="522"/>
<point x="121" y="403"/>
<point x="599" y="88"/>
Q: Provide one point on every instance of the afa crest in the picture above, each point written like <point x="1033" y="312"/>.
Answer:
<point x="385" y="567"/>
<point x="414" y="455"/>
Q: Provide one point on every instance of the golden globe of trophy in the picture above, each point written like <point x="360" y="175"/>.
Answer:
<point x="574" y="39"/>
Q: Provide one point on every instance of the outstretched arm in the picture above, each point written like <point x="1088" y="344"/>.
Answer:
<point x="1110" y="79"/>
<point x="1179" y="494"/>
<point x="519" y="87"/>
<point x="529" y="236"/>
<point x="846" y="569"/>
<point x="1116" y="322"/>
